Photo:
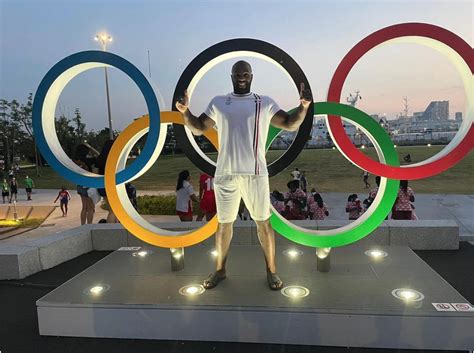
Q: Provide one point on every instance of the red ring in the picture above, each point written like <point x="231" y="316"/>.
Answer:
<point x="334" y="95"/>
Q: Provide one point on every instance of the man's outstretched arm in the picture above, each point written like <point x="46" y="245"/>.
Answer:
<point x="197" y="125"/>
<point x="291" y="122"/>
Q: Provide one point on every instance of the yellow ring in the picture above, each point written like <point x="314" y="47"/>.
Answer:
<point x="116" y="194"/>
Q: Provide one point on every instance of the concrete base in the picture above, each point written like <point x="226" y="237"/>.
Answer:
<point x="351" y="305"/>
<point x="63" y="246"/>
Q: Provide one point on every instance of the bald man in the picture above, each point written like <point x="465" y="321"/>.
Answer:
<point x="242" y="119"/>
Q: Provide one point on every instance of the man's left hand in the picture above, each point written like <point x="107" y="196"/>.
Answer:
<point x="306" y="98"/>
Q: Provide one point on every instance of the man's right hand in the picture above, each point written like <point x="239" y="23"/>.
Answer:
<point x="182" y="103"/>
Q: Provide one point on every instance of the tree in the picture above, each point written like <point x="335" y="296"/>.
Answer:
<point x="65" y="133"/>
<point x="80" y="127"/>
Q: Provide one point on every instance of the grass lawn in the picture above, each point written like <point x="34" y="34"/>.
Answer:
<point x="327" y="170"/>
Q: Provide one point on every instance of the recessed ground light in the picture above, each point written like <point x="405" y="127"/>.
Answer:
<point x="142" y="253"/>
<point x="408" y="295"/>
<point x="295" y="291"/>
<point x="376" y="254"/>
<point x="292" y="253"/>
<point x="191" y="290"/>
<point x="97" y="289"/>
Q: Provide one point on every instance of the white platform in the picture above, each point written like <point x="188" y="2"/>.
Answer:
<point x="352" y="305"/>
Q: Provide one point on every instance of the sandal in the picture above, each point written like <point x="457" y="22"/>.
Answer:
<point x="274" y="281"/>
<point x="214" y="279"/>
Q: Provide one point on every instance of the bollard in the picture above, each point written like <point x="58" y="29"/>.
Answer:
<point x="323" y="259"/>
<point x="15" y="212"/>
<point x="177" y="259"/>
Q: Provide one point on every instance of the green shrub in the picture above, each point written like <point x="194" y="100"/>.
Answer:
<point x="156" y="205"/>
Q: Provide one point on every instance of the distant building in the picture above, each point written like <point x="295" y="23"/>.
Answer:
<point x="417" y="115"/>
<point x="436" y="111"/>
<point x="458" y="116"/>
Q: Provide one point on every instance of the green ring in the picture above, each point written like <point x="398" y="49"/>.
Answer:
<point x="382" y="204"/>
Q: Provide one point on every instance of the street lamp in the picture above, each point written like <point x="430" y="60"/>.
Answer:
<point x="103" y="39"/>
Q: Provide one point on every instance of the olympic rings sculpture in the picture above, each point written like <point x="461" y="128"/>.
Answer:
<point x="117" y="173"/>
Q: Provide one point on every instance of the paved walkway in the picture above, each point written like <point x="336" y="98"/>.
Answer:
<point x="428" y="206"/>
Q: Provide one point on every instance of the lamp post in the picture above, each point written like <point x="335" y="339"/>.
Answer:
<point x="103" y="39"/>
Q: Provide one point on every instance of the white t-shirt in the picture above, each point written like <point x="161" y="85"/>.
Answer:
<point x="183" y="197"/>
<point x="242" y="126"/>
<point x="296" y="175"/>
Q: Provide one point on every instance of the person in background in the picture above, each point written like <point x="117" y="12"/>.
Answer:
<point x="88" y="205"/>
<point x="13" y="190"/>
<point x="277" y="199"/>
<point x="317" y="208"/>
<point x="353" y="207"/>
<point x="64" y="198"/>
<point x="29" y="185"/>
<point x="101" y="160"/>
<point x="296" y="174"/>
<point x="303" y="181"/>
<point x="372" y="194"/>
<point x="365" y="175"/>
<point x="207" y="204"/>
<point x="244" y="214"/>
<point x="295" y="199"/>
<point x="403" y="208"/>
<point x="184" y="197"/>
<point x="132" y="194"/>
<point x="5" y="190"/>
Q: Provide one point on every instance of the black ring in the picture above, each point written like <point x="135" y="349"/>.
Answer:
<point x="256" y="46"/>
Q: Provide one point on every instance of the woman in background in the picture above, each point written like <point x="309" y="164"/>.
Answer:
<point x="317" y="208"/>
<point x="403" y="208"/>
<point x="184" y="197"/>
<point x="353" y="207"/>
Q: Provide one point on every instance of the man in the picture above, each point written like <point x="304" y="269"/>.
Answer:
<point x="242" y="119"/>
<point x="296" y="174"/>
<point x="365" y="174"/>
<point x="29" y="184"/>
<point x="303" y="182"/>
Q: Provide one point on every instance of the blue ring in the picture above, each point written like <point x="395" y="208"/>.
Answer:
<point x="140" y="80"/>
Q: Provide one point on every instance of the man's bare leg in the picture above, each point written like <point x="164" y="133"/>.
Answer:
<point x="223" y="238"/>
<point x="267" y="240"/>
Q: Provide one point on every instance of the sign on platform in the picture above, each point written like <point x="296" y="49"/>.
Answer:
<point x="443" y="307"/>
<point x="463" y="306"/>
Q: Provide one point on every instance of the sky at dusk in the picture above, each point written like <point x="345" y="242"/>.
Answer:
<point x="34" y="35"/>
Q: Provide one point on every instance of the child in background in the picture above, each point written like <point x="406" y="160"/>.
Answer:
<point x="317" y="208"/>
<point x="353" y="207"/>
<point x="5" y="190"/>
<point x="295" y="200"/>
<point x="403" y="207"/>
<point x="277" y="200"/>
<point x="13" y="190"/>
<point x="64" y="198"/>
<point x="207" y="203"/>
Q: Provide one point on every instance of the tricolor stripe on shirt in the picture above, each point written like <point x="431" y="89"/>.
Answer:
<point x="258" y="103"/>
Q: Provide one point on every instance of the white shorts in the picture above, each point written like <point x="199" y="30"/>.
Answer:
<point x="253" y="189"/>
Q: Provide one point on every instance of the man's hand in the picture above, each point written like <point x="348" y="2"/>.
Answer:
<point x="306" y="97"/>
<point x="182" y="103"/>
